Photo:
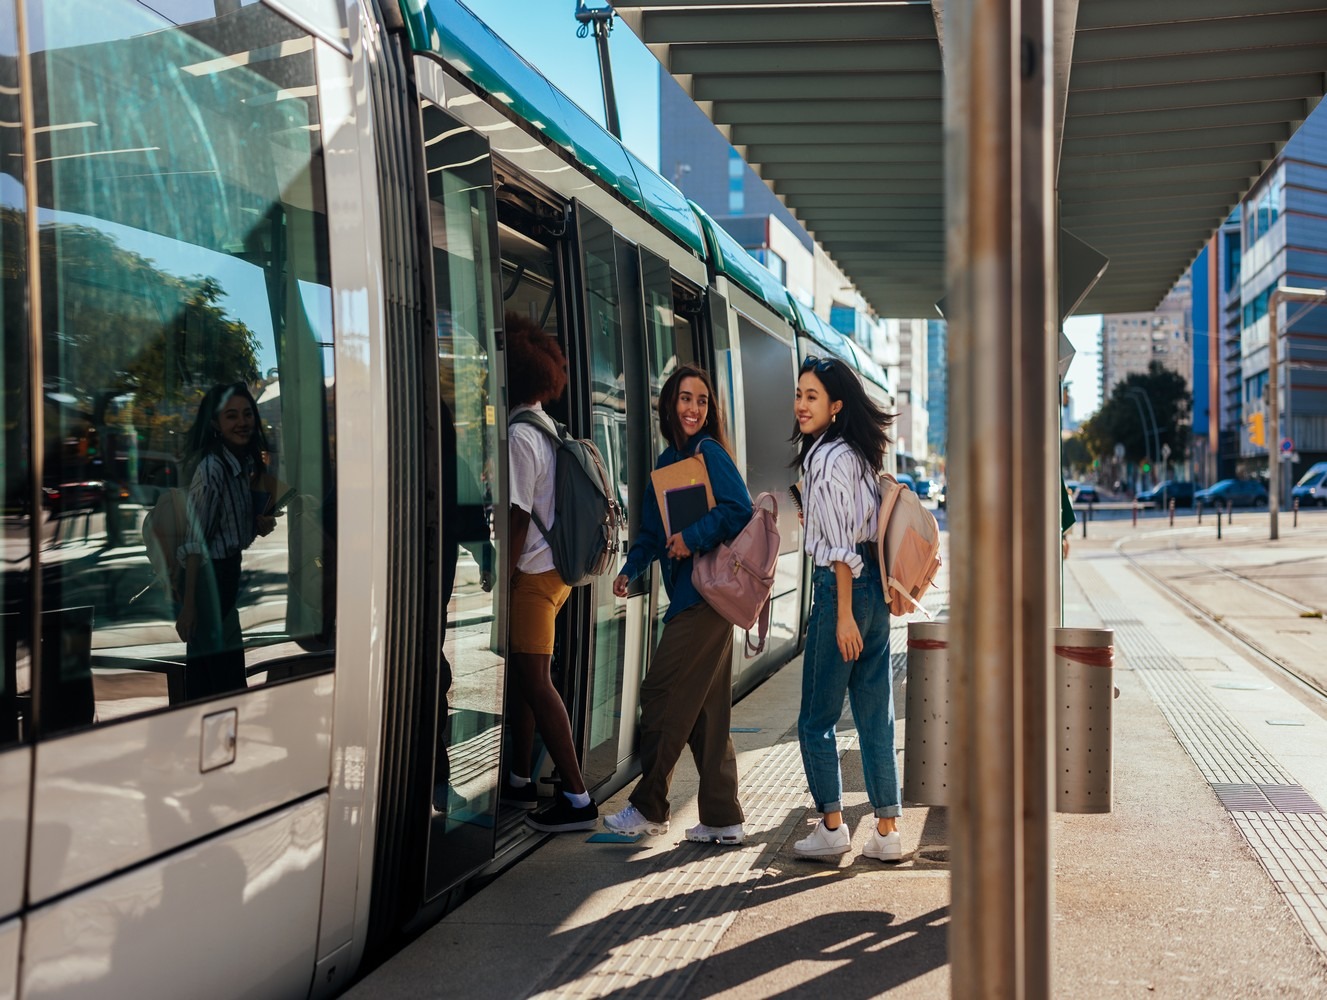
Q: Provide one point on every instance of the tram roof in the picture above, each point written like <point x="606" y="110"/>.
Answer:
<point x="449" y="29"/>
<point x="1167" y="114"/>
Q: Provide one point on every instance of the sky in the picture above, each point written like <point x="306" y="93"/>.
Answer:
<point x="544" y="32"/>
<point x="1085" y="391"/>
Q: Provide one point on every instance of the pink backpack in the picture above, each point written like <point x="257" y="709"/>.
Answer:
<point x="908" y="545"/>
<point x="736" y="578"/>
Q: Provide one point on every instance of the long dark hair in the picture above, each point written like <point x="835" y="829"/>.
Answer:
<point x="670" y="427"/>
<point x="204" y="439"/>
<point x="861" y="422"/>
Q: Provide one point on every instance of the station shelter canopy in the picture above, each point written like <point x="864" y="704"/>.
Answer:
<point x="1166" y="115"/>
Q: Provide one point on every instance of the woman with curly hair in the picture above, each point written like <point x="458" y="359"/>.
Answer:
<point x="686" y="698"/>
<point x="537" y="374"/>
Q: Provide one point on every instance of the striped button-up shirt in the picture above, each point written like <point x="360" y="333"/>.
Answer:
<point x="221" y="521"/>
<point x="842" y="504"/>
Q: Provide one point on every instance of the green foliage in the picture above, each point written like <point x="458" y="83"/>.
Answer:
<point x="1124" y="418"/>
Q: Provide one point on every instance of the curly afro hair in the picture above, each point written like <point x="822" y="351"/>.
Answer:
<point x="536" y="366"/>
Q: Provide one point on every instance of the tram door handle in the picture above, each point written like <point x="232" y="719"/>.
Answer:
<point x="220" y="734"/>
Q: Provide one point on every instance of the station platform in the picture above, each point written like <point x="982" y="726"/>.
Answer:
<point x="1208" y="878"/>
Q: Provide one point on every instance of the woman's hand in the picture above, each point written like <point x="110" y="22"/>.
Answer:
<point x="266" y="524"/>
<point x="850" y="639"/>
<point x="184" y="623"/>
<point x="620" y="585"/>
<point x="677" y="548"/>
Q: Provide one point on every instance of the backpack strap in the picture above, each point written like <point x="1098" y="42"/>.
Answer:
<point x="557" y="434"/>
<point x="762" y="630"/>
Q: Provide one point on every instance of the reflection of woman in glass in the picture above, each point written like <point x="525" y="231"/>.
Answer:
<point x="225" y="447"/>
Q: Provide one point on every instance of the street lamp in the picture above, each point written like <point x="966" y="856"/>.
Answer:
<point x="1274" y="300"/>
<point x="1135" y="393"/>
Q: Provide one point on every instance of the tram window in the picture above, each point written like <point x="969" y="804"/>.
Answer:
<point x="767" y="416"/>
<point x="186" y="343"/>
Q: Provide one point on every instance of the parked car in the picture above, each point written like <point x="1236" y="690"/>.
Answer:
<point x="1162" y="493"/>
<point x="925" y="487"/>
<point x="941" y="495"/>
<point x="907" y="481"/>
<point x="1086" y="493"/>
<point x="1311" y="490"/>
<point x="1235" y="492"/>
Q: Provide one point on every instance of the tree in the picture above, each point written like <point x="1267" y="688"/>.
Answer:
<point x="1125" y="418"/>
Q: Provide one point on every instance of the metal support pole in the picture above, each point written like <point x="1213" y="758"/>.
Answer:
<point x="1000" y="290"/>
<point x="1296" y="509"/>
<point x="1273" y="430"/>
<point x="1171" y="505"/>
<point x="600" y="20"/>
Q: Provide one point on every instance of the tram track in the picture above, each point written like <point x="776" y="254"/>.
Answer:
<point x="1309" y="683"/>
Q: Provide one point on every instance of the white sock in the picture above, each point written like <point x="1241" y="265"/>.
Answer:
<point x="517" y="781"/>
<point x="579" y="799"/>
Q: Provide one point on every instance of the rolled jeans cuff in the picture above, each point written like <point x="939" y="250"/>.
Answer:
<point x="887" y="812"/>
<point x="831" y="807"/>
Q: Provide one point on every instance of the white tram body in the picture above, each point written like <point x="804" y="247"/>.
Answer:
<point x="334" y="203"/>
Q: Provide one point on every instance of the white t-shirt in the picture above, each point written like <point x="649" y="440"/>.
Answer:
<point x="533" y="461"/>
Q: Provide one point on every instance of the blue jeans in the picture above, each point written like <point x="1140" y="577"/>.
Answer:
<point x="868" y="683"/>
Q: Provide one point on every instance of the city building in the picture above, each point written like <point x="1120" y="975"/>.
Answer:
<point x="1130" y="342"/>
<point x="1283" y="242"/>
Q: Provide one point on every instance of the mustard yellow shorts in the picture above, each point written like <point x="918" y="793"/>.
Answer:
<point x="536" y="599"/>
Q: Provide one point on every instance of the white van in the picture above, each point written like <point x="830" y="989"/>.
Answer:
<point x="1311" y="490"/>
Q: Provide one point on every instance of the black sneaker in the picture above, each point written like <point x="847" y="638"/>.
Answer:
<point x="525" y="797"/>
<point x="560" y="816"/>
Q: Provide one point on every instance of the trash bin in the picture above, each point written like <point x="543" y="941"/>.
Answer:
<point x="926" y="731"/>
<point x="1084" y="698"/>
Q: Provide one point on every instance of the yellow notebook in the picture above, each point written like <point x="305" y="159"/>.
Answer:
<point x="683" y="492"/>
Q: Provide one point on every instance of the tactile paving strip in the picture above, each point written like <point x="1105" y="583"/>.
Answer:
<point x="1281" y="822"/>
<point x="675" y="914"/>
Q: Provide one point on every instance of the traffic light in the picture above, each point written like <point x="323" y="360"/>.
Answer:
<point x="1147" y="466"/>
<point x="1257" y="431"/>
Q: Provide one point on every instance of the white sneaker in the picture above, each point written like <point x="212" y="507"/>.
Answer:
<point x="884" y="846"/>
<point x="631" y="821"/>
<point x="824" y="842"/>
<point x="728" y="835"/>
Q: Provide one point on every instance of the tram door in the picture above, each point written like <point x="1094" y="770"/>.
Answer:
<point x="610" y="349"/>
<point x="468" y="321"/>
<point x="15" y="571"/>
<point x="670" y="340"/>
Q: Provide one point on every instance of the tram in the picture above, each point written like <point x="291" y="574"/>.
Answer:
<point x="336" y="204"/>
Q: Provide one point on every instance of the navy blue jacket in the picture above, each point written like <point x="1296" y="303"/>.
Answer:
<point x="732" y="510"/>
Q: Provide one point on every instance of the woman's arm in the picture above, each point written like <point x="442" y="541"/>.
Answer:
<point x="848" y="634"/>
<point x="732" y="501"/>
<point x="649" y="543"/>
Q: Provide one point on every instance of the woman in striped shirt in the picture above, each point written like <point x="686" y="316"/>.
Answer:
<point x="228" y="445"/>
<point x="842" y="438"/>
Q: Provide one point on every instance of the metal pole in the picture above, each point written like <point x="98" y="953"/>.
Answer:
<point x="1274" y="301"/>
<point x="1000" y="267"/>
<point x="600" y="21"/>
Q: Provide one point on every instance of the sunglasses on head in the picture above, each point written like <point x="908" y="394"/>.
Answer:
<point x="812" y="363"/>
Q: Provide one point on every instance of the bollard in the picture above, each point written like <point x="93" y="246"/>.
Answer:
<point x="1085" y="527"/>
<point x="1084" y="706"/>
<point x="1295" y="507"/>
<point x="1172" y="513"/>
<point x="926" y="732"/>
<point x="1199" y="505"/>
<point x="1218" y="524"/>
<point x="1230" y="512"/>
<point x="1135" y="513"/>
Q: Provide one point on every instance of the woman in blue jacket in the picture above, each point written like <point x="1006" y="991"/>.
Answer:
<point x="686" y="698"/>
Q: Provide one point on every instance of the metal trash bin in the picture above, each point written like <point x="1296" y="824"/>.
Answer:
<point x="1084" y="699"/>
<point x="927" y="718"/>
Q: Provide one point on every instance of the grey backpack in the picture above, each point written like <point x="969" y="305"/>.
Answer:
<point x="586" y="515"/>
